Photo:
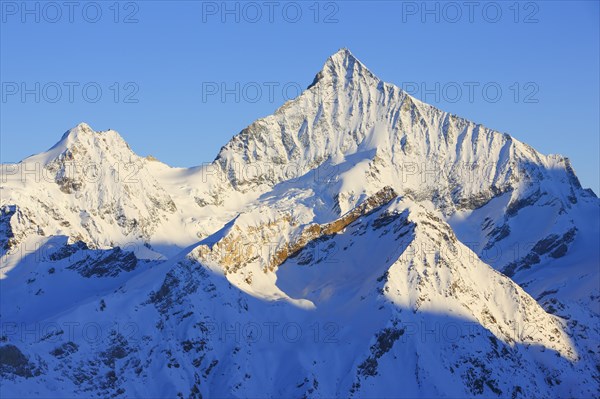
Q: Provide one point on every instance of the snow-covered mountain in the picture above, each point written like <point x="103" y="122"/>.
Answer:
<point x="356" y="243"/>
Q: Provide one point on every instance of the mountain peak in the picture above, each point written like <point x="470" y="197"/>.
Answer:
<point x="83" y="133"/>
<point x="342" y="65"/>
<point x="82" y="139"/>
<point x="342" y="54"/>
<point x="84" y="127"/>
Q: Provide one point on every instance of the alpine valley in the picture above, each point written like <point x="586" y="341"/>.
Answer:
<point x="358" y="243"/>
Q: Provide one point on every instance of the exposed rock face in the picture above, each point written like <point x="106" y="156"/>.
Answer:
<point x="14" y="363"/>
<point x="349" y="245"/>
<point x="108" y="264"/>
<point x="316" y="231"/>
<point x="553" y="246"/>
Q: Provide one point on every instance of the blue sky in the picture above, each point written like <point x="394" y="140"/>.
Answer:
<point x="155" y="70"/>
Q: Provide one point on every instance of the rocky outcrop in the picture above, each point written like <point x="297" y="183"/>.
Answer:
<point x="316" y="231"/>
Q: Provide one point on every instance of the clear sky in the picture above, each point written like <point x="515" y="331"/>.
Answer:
<point x="177" y="79"/>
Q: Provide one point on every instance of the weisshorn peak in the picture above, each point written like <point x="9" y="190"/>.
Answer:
<point x="355" y="243"/>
